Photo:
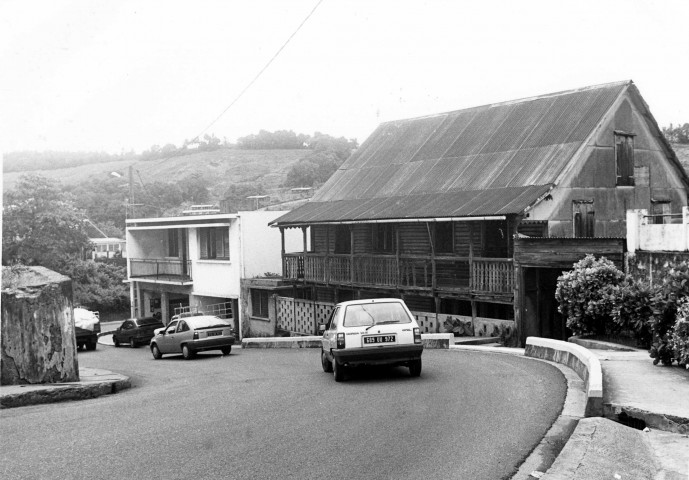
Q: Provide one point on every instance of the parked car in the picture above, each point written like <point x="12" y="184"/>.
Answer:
<point x="86" y="328"/>
<point x="193" y="334"/>
<point x="370" y="332"/>
<point x="136" y="331"/>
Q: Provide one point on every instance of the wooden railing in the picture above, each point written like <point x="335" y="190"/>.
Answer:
<point x="160" y="269"/>
<point x="494" y="275"/>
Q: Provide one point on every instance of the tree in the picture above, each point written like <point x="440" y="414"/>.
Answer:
<point x="41" y="225"/>
<point x="679" y="134"/>
<point x="313" y="169"/>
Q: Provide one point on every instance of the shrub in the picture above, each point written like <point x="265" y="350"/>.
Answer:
<point x="633" y="309"/>
<point x="586" y="296"/>
<point x="669" y="303"/>
<point x="680" y="334"/>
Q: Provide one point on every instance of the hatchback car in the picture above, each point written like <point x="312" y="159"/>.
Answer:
<point x="136" y="331"/>
<point x="371" y="332"/>
<point x="193" y="334"/>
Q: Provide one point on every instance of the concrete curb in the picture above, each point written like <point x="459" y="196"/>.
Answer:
<point x="94" y="383"/>
<point x="579" y="359"/>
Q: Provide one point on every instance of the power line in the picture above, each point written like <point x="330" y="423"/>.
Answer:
<point x="261" y="71"/>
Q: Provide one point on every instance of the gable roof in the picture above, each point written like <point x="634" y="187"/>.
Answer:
<point x="496" y="159"/>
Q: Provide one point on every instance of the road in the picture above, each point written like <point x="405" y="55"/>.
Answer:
<point x="274" y="414"/>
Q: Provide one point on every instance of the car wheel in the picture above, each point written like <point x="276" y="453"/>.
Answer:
<point x="338" y="371"/>
<point x="155" y="351"/>
<point x="117" y="342"/>
<point x="187" y="353"/>
<point x="226" y="350"/>
<point x="132" y="343"/>
<point x="325" y="363"/>
<point x="415" y="368"/>
<point x="91" y="345"/>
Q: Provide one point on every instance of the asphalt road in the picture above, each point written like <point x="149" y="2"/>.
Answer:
<point x="274" y="414"/>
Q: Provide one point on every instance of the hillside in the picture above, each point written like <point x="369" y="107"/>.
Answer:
<point x="219" y="169"/>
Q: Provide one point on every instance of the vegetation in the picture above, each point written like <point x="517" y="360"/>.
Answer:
<point x="42" y="226"/>
<point x="598" y="299"/>
<point x="678" y="134"/>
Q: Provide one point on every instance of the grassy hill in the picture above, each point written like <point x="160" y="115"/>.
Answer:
<point x="220" y="169"/>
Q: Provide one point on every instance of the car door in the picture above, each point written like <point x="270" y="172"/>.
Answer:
<point x="330" y="335"/>
<point x="121" y="332"/>
<point x="165" y="342"/>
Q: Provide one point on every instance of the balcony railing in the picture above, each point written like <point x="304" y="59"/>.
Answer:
<point x="493" y="275"/>
<point x="160" y="269"/>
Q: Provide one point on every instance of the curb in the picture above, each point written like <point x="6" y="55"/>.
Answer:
<point x="429" y="340"/>
<point x="94" y="383"/>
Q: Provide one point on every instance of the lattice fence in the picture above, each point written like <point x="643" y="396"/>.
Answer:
<point x="428" y="322"/>
<point x="302" y="316"/>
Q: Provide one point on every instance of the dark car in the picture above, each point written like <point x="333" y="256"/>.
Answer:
<point x="136" y="331"/>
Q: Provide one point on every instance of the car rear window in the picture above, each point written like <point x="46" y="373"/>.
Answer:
<point x="147" y="321"/>
<point x="198" y="323"/>
<point x="375" y="314"/>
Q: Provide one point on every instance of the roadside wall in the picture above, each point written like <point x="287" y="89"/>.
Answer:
<point x="37" y="340"/>
<point x="649" y="266"/>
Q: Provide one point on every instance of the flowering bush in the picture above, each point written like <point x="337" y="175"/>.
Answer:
<point x="634" y="303"/>
<point x="586" y="296"/>
<point x="680" y="334"/>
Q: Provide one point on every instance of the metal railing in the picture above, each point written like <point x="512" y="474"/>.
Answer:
<point x="160" y="269"/>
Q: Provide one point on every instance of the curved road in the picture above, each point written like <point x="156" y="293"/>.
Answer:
<point x="274" y="414"/>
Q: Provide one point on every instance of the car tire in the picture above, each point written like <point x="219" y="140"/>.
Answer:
<point x="155" y="351"/>
<point x="226" y="350"/>
<point x="415" y="368"/>
<point x="132" y="343"/>
<point x="338" y="371"/>
<point x="115" y="341"/>
<point x="91" y="345"/>
<point x="325" y="363"/>
<point x="187" y="353"/>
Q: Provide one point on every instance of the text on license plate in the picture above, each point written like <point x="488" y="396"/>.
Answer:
<point x="379" y="339"/>
<point x="214" y="333"/>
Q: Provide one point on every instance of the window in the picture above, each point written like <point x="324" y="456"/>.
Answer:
<point x="584" y="218"/>
<point x="172" y="243"/>
<point x="660" y="211"/>
<point x="343" y="239"/>
<point x="444" y="237"/>
<point x="215" y="243"/>
<point x="624" y="157"/>
<point x="383" y="237"/>
<point x="259" y="303"/>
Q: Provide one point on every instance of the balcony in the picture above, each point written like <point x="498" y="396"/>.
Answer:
<point x="161" y="270"/>
<point x="479" y="275"/>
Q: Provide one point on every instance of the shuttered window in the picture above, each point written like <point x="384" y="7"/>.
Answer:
<point x="259" y="303"/>
<point x="584" y="218"/>
<point x="173" y="243"/>
<point x="624" y="156"/>
<point x="444" y="237"/>
<point x="383" y="238"/>
<point x="214" y="243"/>
<point x="343" y="239"/>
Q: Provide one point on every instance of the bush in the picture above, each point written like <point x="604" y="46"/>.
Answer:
<point x="669" y="303"/>
<point x="586" y="296"/>
<point x="633" y="309"/>
<point x="680" y="334"/>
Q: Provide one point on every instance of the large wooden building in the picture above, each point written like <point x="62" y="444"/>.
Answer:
<point x="476" y="212"/>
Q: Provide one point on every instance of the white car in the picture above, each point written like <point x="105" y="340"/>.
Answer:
<point x="371" y="332"/>
<point x="193" y="334"/>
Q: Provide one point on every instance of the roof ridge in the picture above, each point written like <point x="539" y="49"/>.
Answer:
<point x="515" y="101"/>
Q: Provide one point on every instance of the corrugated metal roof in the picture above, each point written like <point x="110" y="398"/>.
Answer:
<point x="488" y="160"/>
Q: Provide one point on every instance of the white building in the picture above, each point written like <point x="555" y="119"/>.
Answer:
<point x="195" y="262"/>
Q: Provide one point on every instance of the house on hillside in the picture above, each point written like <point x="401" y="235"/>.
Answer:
<point x="103" y="245"/>
<point x="194" y="263"/>
<point x="473" y="214"/>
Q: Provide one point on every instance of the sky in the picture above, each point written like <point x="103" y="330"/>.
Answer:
<point x="121" y="76"/>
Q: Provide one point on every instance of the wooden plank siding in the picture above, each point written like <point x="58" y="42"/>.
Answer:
<point x="564" y="252"/>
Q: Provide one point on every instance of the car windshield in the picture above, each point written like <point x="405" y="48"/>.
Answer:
<point x="198" y="323"/>
<point x="375" y="314"/>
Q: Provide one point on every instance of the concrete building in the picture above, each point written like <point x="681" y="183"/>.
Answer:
<point x="194" y="263"/>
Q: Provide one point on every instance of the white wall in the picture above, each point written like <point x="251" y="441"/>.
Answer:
<point x="656" y="237"/>
<point x="215" y="278"/>
<point x="262" y="245"/>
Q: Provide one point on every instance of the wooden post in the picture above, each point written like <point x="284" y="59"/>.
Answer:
<point x="351" y="254"/>
<point x="434" y="282"/>
<point x="305" y="250"/>
<point x="282" y="252"/>
<point x="397" y="257"/>
<point x="326" y="267"/>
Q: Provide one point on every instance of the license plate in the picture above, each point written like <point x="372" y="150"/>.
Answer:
<point x="214" y="333"/>
<point x="376" y="339"/>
